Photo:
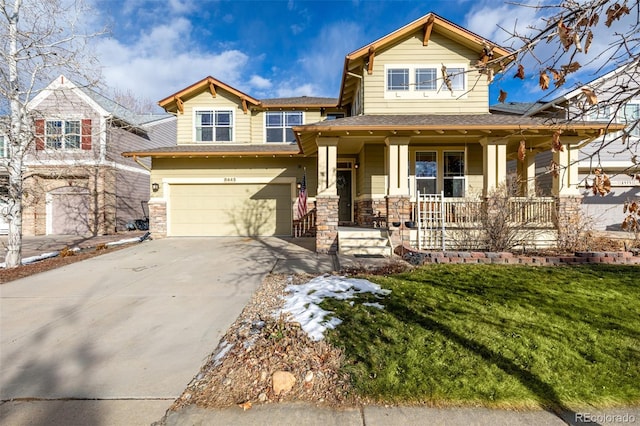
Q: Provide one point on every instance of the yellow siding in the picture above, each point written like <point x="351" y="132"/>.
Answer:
<point x="411" y="51"/>
<point x="242" y="121"/>
<point x="475" y="168"/>
<point x="373" y="174"/>
<point x="233" y="167"/>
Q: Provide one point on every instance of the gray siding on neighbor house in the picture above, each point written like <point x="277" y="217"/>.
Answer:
<point x="132" y="195"/>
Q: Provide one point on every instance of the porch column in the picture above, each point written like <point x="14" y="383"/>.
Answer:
<point x="527" y="175"/>
<point x="495" y="163"/>
<point x="566" y="184"/>
<point x="398" y="197"/>
<point x="565" y="188"/>
<point x="327" y="198"/>
<point x="327" y="165"/>
<point x="398" y="165"/>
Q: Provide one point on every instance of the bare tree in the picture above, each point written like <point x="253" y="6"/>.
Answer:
<point x="40" y="39"/>
<point x="588" y="37"/>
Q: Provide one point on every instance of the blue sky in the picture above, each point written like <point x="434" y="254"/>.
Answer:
<point x="274" y="48"/>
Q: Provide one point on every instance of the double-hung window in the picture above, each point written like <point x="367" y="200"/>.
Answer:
<point x="631" y="117"/>
<point x="279" y="125"/>
<point x="426" y="172"/>
<point x="4" y="149"/>
<point x="419" y="81"/>
<point x="454" y="179"/>
<point x="456" y="76"/>
<point x="62" y="134"/>
<point x="214" y="126"/>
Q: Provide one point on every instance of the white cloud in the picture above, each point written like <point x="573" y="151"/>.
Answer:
<point x="485" y="19"/>
<point x="181" y="6"/>
<point x="260" y="82"/>
<point x="289" y="89"/>
<point x="163" y="61"/>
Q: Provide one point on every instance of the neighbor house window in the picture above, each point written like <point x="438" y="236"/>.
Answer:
<point x="4" y="149"/>
<point x="278" y="125"/>
<point x="62" y="134"/>
<point x="426" y="172"/>
<point x="631" y="116"/>
<point x="426" y="79"/>
<point x="398" y="79"/>
<point x="454" y="180"/>
<point x="601" y="113"/>
<point x="214" y="126"/>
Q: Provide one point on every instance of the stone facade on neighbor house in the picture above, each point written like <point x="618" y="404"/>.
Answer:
<point x="412" y="118"/>
<point x="76" y="180"/>
<point x="615" y="153"/>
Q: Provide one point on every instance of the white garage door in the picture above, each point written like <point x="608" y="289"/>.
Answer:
<point x="230" y="209"/>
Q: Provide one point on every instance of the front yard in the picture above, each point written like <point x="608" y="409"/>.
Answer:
<point x="498" y="336"/>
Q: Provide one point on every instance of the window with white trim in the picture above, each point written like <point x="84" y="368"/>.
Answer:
<point x="278" y="125"/>
<point x="62" y="134"/>
<point x="214" y="125"/>
<point x="415" y="81"/>
<point x="426" y="172"/>
<point x="631" y="115"/>
<point x="453" y="176"/>
<point x="4" y="149"/>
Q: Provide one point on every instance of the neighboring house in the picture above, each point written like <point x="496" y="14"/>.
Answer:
<point x="76" y="180"/>
<point x="409" y="127"/>
<point x="616" y="156"/>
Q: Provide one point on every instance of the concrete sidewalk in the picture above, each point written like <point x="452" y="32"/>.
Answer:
<point x="300" y="414"/>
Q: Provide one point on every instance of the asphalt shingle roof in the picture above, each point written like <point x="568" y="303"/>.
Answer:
<point x="300" y="100"/>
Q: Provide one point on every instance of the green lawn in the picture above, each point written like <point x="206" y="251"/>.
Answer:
<point x="501" y="336"/>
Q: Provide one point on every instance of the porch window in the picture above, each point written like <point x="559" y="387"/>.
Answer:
<point x="278" y="125"/>
<point x="62" y="134"/>
<point x="454" y="179"/>
<point x="214" y="126"/>
<point x="398" y="79"/>
<point x="426" y="172"/>
<point x="4" y="151"/>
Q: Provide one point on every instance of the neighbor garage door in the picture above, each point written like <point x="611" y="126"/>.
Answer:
<point x="229" y="209"/>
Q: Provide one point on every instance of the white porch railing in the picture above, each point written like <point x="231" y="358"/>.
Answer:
<point x="305" y="225"/>
<point x="436" y="214"/>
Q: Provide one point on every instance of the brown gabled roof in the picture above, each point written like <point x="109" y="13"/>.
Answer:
<point x="206" y="83"/>
<point x="429" y="22"/>
<point x="300" y="101"/>
<point x="258" y="150"/>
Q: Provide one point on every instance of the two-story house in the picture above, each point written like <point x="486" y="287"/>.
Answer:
<point x="76" y="180"/>
<point x="416" y="121"/>
<point x="615" y="154"/>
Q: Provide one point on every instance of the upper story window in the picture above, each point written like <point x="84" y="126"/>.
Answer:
<point x="214" y="125"/>
<point x="62" y="134"/>
<point x="334" y="115"/>
<point x="418" y="81"/>
<point x="4" y="149"/>
<point x="601" y="113"/>
<point x="278" y="125"/>
<point x="398" y="79"/>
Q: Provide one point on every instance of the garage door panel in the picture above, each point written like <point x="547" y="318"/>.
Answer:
<point x="230" y="209"/>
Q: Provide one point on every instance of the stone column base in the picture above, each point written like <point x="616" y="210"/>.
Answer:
<point x="158" y="218"/>
<point x="327" y="224"/>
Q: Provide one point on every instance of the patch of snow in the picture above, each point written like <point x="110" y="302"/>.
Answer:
<point x="374" y="305"/>
<point x="302" y="301"/>
<point x="223" y="348"/>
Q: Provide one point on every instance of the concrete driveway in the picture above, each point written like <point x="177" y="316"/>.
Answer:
<point x="133" y="325"/>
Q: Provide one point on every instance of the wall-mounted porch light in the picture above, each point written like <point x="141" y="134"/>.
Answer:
<point x="155" y="187"/>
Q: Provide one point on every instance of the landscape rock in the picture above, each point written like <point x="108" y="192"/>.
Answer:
<point x="283" y="381"/>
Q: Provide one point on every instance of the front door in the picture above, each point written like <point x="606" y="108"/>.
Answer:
<point x="344" y="192"/>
